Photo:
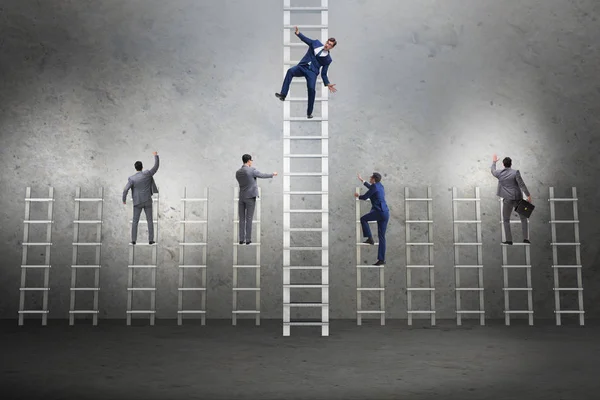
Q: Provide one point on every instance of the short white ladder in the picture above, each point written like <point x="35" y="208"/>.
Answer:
<point x="508" y="289"/>
<point x="46" y="266"/>
<point x="238" y="267"/>
<point x="77" y="265"/>
<point x="409" y="245"/>
<point x="380" y="289"/>
<point x="290" y="171"/>
<point x="478" y="244"/>
<point x="558" y="311"/>
<point x="151" y="311"/>
<point x="183" y="267"/>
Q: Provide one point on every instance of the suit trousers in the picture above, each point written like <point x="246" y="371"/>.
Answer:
<point x="137" y="212"/>
<point x="246" y="214"/>
<point x="382" y="219"/>
<point x="507" y="207"/>
<point x="311" y="83"/>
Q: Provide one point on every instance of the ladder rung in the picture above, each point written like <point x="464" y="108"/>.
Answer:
<point x="141" y="312"/>
<point x="305" y="98"/>
<point x="191" y="312"/>
<point x="195" y="199"/>
<point x="141" y="289"/>
<point x="35" y="266"/>
<point x="367" y="244"/>
<point x="305" y="155"/>
<point x="470" y="312"/>
<point x="419" y="221"/>
<point x="300" y="211"/>
<point x="88" y="221"/>
<point x="306" y="26"/>
<point x="304" y="248"/>
<point x="246" y="289"/>
<point x="306" y="137"/>
<point x="421" y="312"/>
<point x="142" y="266"/>
<point x="315" y="192"/>
<point x="39" y="199"/>
<point x="39" y="289"/>
<point x="192" y="289"/>
<point x="305" y="174"/>
<point x="192" y="244"/>
<point x="564" y="199"/>
<point x="566" y="266"/>
<point x="305" y="230"/>
<point x="468" y="244"/>
<point x="370" y="312"/>
<point x="421" y="289"/>
<point x="83" y="312"/>
<point x="237" y="221"/>
<point x="370" y="266"/>
<point x="87" y="244"/>
<point x="192" y="266"/>
<point x="469" y="289"/>
<point x="419" y="244"/>
<point x="88" y="199"/>
<point x="237" y="199"/>
<point x="518" y="289"/>
<point x="85" y="289"/>
<point x="305" y="286"/>
<point x="512" y="221"/>
<point x="85" y="266"/>
<point x="305" y="267"/>
<point x="306" y="323"/>
<point x="466" y="199"/>
<point x="515" y="244"/>
<point x="370" y="289"/>
<point x="468" y="266"/>
<point x="419" y="266"/>
<point x="194" y="221"/>
<point x="251" y="244"/>
<point x="518" y="312"/>
<point x="468" y="221"/>
<point x="418" y="199"/>
<point x="36" y="244"/>
<point x="33" y="312"/>
<point x="308" y="304"/>
<point x="565" y="244"/>
<point x="370" y="222"/>
<point x="246" y="266"/>
<point x="143" y="244"/>
<point x="564" y="221"/>
<point x="319" y="80"/>
<point x="569" y="312"/>
<point x="516" y="266"/>
<point x="38" y="221"/>
<point x="145" y="222"/>
<point x="305" y="9"/>
<point x="569" y="289"/>
<point x="313" y="119"/>
<point x="245" y="312"/>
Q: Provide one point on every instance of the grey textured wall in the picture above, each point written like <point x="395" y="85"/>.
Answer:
<point x="428" y="91"/>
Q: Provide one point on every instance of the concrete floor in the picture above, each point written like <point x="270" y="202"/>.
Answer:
<point x="218" y="361"/>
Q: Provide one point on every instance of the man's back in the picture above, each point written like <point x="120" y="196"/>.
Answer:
<point x="510" y="184"/>
<point x="142" y="184"/>
<point x="247" y="181"/>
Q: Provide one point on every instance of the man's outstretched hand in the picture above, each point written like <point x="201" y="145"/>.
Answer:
<point x="297" y="30"/>
<point x="332" y="88"/>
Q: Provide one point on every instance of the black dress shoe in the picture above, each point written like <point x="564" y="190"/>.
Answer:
<point x="241" y="242"/>
<point x="151" y="242"/>
<point x="132" y="242"/>
<point x="309" y="116"/>
<point x="370" y="241"/>
<point x="248" y="242"/>
<point x="507" y="242"/>
<point x="280" y="96"/>
<point x="526" y="241"/>
<point x="379" y="262"/>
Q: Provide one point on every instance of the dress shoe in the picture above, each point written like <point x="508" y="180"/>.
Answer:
<point x="132" y="242"/>
<point x="507" y="242"/>
<point x="309" y="116"/>
<point x="280" y="96"/>
<point x="370" y="241"/>
<point x="151" y="242"/>
<point x="248" y="242"/>
<point x="526" y="241"/>
<point x="379" y="262"/>
<point x="241" y="242"/>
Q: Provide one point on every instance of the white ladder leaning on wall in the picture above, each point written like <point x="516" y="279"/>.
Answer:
<point x="288" y="174"/>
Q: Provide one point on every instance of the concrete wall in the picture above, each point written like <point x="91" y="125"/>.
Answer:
<point x="428" y="91"/>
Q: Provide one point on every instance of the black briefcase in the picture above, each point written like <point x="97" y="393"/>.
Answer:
<point x="524" y="208"/>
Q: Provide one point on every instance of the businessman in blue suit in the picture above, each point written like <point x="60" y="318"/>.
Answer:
<point x="379" y="212"/>
<point x="317" y="58"/>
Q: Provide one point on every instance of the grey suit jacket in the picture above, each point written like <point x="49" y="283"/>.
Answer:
<point x="142" y="185"/>
<point x="246" y="177"/>
<point x="510" y="183"/>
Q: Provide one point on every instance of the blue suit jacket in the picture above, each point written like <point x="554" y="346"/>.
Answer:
<point x="312" y="62"/>
<point x="377" y="196"/>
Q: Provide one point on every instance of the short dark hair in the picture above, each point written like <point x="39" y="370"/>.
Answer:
<point x="507" y="162"/>
<point x="332" y="40"/>
<point x="246" y="158"/>
<point x="138" y="166"/>
<point x="376" y="176"/>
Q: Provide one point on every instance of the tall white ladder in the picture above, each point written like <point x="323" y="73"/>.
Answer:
<point x="183" y="267"/>
<point x="360" y="267"/>
<point x="76" y="265"/>
<point x="46" y="266"/>
<point x="237" y="266"/>
<point x="479" y="248"/>
<point x="289" y="171"/>
<point x="151" y="311"/>
<point x="506" y="267"/>
<point x="558" y="311"/>
<point x="429" y="259"/>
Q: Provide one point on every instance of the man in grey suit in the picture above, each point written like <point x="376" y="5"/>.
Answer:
<point x="142" y="187"/>
<point x="246" y="177"/>
<point x="510" y="188"/>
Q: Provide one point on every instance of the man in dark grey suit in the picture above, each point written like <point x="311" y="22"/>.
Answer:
<point x="510" y="188"/>
<point x="142" y="187"/>
<point x="246" y="177"/>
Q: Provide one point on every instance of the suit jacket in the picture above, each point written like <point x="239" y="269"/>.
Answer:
<point x="510" y="183"/>
<point x="246" y="177"/>
<point x="142" y="185"/>
<point x="376" y="194"/>
<point x="313" y="62"/>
